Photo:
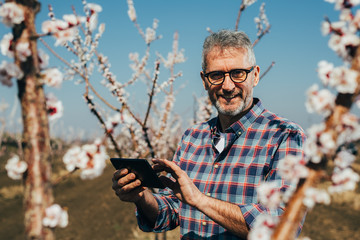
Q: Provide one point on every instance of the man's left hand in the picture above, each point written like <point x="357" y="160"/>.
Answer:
<point x="183" y="187"/>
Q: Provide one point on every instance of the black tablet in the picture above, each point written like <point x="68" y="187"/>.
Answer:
<point x="142" y="169"/>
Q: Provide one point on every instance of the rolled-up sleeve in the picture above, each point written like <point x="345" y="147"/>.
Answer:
<point x="168" y="213"/>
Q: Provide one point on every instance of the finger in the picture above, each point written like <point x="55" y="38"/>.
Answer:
<point x="169" y="167"/>
<point x="119" y="173"/>
<point x="127" y="179"/>
<point x="131" y="196"/>
<point x="131" y="186"/>
<point x="159" y="168"/>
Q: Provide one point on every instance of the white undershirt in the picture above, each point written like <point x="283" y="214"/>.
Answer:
<point x="220" y="145"/>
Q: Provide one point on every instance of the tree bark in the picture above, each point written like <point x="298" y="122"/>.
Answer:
<point x="38" y="193"/>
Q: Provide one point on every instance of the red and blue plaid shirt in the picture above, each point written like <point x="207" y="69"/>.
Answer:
<point x="253" y="147"/>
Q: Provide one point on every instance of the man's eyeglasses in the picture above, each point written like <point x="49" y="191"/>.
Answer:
<point x="236" y="75"/>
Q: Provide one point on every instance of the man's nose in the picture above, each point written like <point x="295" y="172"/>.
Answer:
<point x="228" y="84"/>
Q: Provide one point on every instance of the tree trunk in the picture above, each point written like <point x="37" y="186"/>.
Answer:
<point x="36" y="139"/>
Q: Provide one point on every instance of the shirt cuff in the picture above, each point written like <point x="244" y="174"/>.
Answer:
<point x="252" y="211"/>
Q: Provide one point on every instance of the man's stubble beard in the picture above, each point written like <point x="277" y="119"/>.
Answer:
<point x="232" y="113"/>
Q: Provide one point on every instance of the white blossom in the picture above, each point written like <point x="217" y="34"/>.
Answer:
<point x="92" y="20"/>
<point x="321" y="102"/>
<point x="127" y="119"/>
<point x="247" y="3"/>
<point x="344" y="79"/>
<point x="324" y="71"/>
<point x="326" y="140"/>
<point x="341" y="44"/>
<point x="23" y="51"/>
<point x="262" y="20"/>
<point x="325" y="28"/>
<point x="356" y="20"/>
<point x="173" y="59"/>
<point x="11" y="14"/>
<point x="15" y="168"/>
<point x="131" y="11"/>
<point x="348" y="129"/>
<point x="319" y="142"/>
<point x="72" y="20"/>
<point x="53" y="26"/>
<point x="54" y="107"/>
<point x="112" y="122"/>
<point x="101" y="28"/>
<point x="264" y="227"/>
<point x="60" y="30"/>
<point x="96" y="160"/>
<point x="269" y="194"/>
<point x="93" y="7"/>
<point x="52" y="77"/>
<point x="43" y="59"/>
<point x="150" y="35"/>
<point x="55" y="216"/>
<point x="9" y="71"/>
<point x="340" y="4"/>
<point x="90" y="159"/>
<point x="314" y="195"/>
<point x="343" y="180"/>
<point x="74" y="158"/>
<point x="344" y="159"/>
<point x="292" y="168"/>
<point x="6" y="45"/>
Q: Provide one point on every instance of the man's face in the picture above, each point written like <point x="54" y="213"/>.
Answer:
<point x="229" y="98"/>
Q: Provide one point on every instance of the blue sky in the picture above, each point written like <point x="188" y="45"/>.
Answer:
<point x="295" y="43"/>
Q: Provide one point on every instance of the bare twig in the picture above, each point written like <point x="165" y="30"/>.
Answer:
<point x="267" y="70"/>
<point x="242" y="8"/>
<point x="60" y="58"/>
<point x="98" y="116"/>
<point x="63" y="177"/>
<point x="152" y="93"/>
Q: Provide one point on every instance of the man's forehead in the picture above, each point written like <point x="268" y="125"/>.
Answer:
<point x="226" y="51"/>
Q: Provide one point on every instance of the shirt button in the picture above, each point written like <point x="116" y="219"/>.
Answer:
<point x="208" y="194"/>
<point x="216" y="165"/>
<point x="204" y="223"/>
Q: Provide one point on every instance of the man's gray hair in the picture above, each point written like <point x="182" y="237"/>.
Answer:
<point x="227" y="39"/>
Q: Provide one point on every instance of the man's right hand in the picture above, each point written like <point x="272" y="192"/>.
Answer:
<point x="129" y="189"/>
<point x="127" y="186"/>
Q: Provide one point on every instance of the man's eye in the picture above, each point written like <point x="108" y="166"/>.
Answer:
<point x="216" y="75"/>
<point x="238" y="73"/>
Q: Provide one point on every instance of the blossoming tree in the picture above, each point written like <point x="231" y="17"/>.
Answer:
<point x="332" y="140"/>
<point x="80" y="35"/>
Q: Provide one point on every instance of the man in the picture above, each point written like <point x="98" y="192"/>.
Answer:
<point x="219" y="164"/>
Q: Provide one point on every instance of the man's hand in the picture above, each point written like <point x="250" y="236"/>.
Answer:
<point x="183" y="187"/>
<point x="127" y="187"/>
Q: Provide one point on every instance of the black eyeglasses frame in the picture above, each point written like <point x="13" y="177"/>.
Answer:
<point x="247" y="71"/>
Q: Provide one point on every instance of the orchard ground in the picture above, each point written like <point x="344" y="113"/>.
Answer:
<point x="96" y="213"/>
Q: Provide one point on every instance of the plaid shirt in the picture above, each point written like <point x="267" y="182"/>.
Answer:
<point x="253" y="147"/>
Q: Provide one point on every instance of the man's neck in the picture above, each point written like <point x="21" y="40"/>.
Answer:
<point x="226" y="120"/>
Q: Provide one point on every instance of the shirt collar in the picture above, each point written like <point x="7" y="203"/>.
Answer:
<point x="243" y="123"/>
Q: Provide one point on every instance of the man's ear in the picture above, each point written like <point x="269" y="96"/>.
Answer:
<point x="205" y="83"/>
<point x="256" y="75"/>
